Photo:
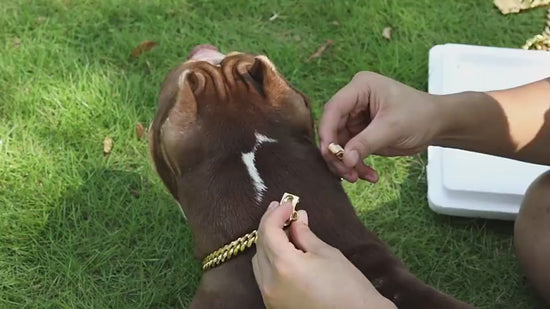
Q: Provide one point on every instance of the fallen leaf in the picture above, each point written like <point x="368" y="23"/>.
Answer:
<point x="107" y="146"/>
<point x="143" y="47"/>
<point x="297" y="38"/>
<point x="386" y="33"/>
<point x="273" y="17"/>
<point x="319" y="52"/>
<point x="16" y="41"/>
<point x="336" y="23"/>
<point x="140" y="130"/>
<point x="515" y="6"/>
<point x="40" y="19"/>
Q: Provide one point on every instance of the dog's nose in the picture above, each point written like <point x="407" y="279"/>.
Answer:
<point x="206" y="52"/>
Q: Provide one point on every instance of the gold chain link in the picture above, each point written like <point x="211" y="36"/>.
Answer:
<point x="239" y="245"/>
<point x="230" y="250"/>
<point x="540" y="41"/>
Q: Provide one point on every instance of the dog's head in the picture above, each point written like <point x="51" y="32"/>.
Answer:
<point x="214" y="105"/>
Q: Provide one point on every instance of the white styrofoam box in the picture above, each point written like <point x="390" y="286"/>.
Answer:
<point x="469" y="184"/>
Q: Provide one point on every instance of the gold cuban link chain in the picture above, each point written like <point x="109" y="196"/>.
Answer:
<point x="242" y="243"/>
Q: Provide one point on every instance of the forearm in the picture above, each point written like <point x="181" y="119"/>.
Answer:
<point x="513" y="123"/>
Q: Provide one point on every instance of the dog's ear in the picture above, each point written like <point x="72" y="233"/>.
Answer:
<point x="268" y="80"/>
<point x="280" y="93"/>
<point x="172" y="132"/>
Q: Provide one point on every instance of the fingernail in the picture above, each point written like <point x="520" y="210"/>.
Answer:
<point x="302" y="217"/>
<point x="272" y="205"/>
<point x="372" y="177"/>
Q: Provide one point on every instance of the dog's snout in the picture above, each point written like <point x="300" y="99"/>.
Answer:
<point x="206" y="52"/>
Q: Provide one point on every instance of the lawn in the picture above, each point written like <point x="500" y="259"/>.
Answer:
<point x="82" y="230"/>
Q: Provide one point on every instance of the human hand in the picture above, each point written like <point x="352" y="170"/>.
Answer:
<point x="299" y="270"/>
<point x="374" y="114"/>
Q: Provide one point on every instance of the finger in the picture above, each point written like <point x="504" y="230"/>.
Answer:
<point x="337" y="108"/>
<point x="344" y="136"/>
<point x="256" y="269"/>
<point x="338" y="168"/>
<point x="351" y="176"/>
<point x="366" y="172"/>
<point x="375" y="136"/>
<point x="272" y="239"/>
<point x="261" y="266"/>
<point x="303" y="238"/>
<point x="302" y="217"/>
<point x="335" y="164"/>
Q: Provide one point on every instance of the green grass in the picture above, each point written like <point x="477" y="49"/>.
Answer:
<point x="80" y="230"/>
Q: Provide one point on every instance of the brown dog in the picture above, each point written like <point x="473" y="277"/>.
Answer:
<point x="230" y="135"/>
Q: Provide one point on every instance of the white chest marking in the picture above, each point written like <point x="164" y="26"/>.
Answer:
<point x="249" y="159"/>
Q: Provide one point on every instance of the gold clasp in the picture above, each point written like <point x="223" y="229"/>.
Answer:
<point x="336" y="150"/>
<point x="293" y="199"/>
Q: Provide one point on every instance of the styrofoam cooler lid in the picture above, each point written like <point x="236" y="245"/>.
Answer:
<point x="469" y="184"/>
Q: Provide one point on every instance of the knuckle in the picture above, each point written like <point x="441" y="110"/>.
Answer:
<point x="334" y="252"/>
<point x="363" y="75"/>
<point x="269" y="293"/>
<point x="328" y="107"/>
<point x="360" y="144"/>
<point x="396" y="125"/>
<point x="359" y="75"/>
<point x="283" y="269"/>
<point x="262" y="235"/>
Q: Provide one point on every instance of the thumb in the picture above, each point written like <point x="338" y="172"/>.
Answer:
<point x="303" y="238"/>
<point x="376" y="136"/>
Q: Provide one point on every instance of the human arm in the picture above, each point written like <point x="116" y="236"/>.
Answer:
<point x="512" y="123"/>
<point x="374" y="114"/>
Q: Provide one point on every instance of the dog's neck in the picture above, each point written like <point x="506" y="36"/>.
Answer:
<point x="226" y="197"/>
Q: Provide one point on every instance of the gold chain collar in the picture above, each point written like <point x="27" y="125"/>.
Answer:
<point x="540" y="41"/>
<point x="242" y="243"/>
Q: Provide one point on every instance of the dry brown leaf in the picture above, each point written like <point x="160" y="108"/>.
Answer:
<point x="143" y="47"/>
<point x="386" y="33"/>
<point x="16" y="41"/>
<point x="140" y="130"/>
<point x="515" y="6"/>
<point x="336" y="23"/>
<point x="297" y="38"/>
<point x="107" y="146"/>
<point x="319" y="52"/>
